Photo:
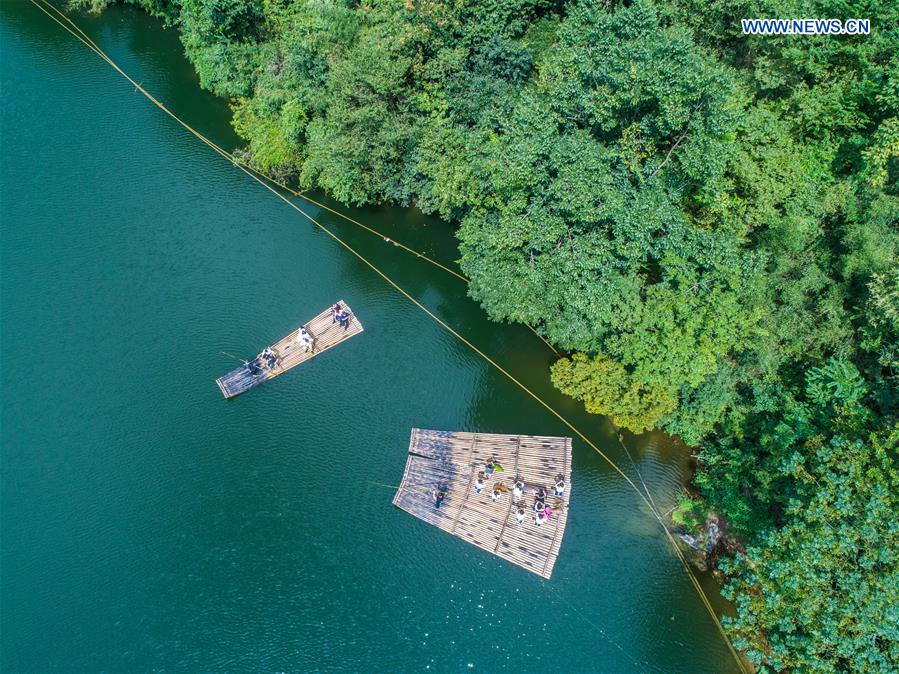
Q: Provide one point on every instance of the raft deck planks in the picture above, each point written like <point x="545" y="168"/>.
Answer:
<point x="291" y="354"/>
<point x="448" y="461"/>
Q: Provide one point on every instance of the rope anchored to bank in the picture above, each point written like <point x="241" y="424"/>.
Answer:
<point x="67" y="24"/>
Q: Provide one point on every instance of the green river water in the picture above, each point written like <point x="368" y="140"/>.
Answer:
<point x="149" y="524"/>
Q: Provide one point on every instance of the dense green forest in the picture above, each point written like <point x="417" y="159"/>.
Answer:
<point x="705" y="222"/>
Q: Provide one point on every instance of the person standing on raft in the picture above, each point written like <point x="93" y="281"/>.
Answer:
<point x="343" y="318"/>
<point x="305" y="340"/>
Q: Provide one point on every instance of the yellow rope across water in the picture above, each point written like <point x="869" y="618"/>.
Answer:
<point x="52" y="12"/>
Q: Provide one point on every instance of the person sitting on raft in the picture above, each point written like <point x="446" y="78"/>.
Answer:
<point x="305" y="340"/>
<point x="438" y="497"/>
<point x="496" y="494"/>
<point x="518" y="489"/>
<point x="479" y="485"/>
<point x="269" y="357"/>
<point x="336" y="309"/>
<point x="548" y="511"/>
<point x="539" y="518"/>
<point x="520" y="515"/>
<point x="493" y="467"/>
<point x="560" y="488"/>
<point x="541" y="494"/>
<point x="539" y="507"/>
<point x="252" y="366"/>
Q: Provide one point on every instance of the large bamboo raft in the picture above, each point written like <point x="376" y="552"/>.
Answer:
<point x="290" y="353"/>
<point x="448" y="463"/>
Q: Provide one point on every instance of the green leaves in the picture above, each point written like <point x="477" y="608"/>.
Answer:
<point x="814" y="486"/>
<point x="612" y="70"/>
<point x="356" y="149"/>
<point x="607" y="388"/>
<point x="884" y="149"/>
<point x="838" y="383"/>
<point x="823" y="589"/>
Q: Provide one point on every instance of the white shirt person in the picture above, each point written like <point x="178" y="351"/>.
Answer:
<point x="305" y="340"/>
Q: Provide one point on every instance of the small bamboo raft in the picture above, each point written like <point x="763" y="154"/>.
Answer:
<point x="289" y="352"/>
<point x="448" y="463"/>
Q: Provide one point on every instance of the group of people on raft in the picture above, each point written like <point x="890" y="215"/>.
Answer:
<point x="268" y="359"/>
<point x="341" y="315"/>
<point x="542" y="509"/>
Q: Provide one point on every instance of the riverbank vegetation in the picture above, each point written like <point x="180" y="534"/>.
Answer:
<point x="706" y="222"/>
